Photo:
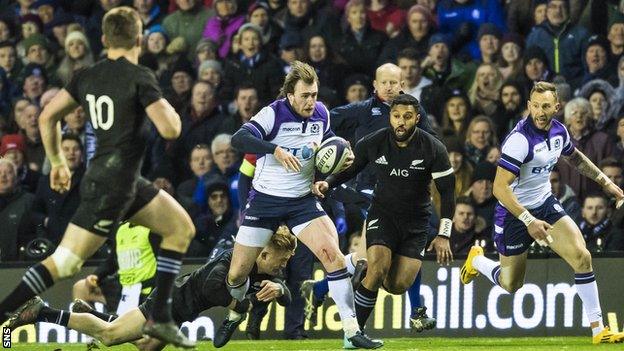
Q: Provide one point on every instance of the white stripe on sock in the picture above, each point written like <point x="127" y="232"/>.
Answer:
<point x="485" y="266"/>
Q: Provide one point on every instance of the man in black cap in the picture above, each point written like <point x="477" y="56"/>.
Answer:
<point x="356" y="88"/>
<point x="597" y="63"/>
<point x="535" y="66"/>
<point x="181" y="78"/>
<point x="489" y="39"/>
<point x="34" y="80"/>
<point x="615" y="35"/>
<point x="445" y="72"/>
<point x="481" y="192"/>
<point x="290" y="49"/>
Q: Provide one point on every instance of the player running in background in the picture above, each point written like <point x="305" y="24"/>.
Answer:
<point x="117" y="93"/>
<point x="284" y="135"/>
<point x="193" y="293"/>
<point x="405" y="159"/>
<point x="527" y="211"/>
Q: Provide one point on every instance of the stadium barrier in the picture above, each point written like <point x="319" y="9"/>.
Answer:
<point x="546" y="306"/>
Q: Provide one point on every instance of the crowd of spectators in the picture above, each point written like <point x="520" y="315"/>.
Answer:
<point x="471" y="64"/>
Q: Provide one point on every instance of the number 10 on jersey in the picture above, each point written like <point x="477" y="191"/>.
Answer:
<point x="95" y="110"/>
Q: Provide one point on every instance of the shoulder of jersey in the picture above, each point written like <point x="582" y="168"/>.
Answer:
<point x="377" y="135"/>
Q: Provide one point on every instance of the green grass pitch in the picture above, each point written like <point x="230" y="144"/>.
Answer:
<point x="433" y="344"/>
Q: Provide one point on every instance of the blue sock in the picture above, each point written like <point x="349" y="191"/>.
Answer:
<point x="320" y="289"/>
<point x="414" y="293"/>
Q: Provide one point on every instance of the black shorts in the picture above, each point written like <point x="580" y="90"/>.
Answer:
<point x="147" y="306"/>
<point x="104" y="205"/>
<point x="111" y="289"/>
<point x="403" y="236"/>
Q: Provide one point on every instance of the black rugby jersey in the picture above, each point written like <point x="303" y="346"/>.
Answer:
<point x="205" y="287"/>
<point x="114" y="95"/>
<point x="403" y="173"/>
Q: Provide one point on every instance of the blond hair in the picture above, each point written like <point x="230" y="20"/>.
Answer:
<point x="121" y="27"/>
<point x="498" y="82"/>
<point x="299" y="71"/>
<point x="542" y="87"/>
<point x="283" y="240"/>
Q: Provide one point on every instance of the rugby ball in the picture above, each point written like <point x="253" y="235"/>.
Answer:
<point x="331" y="155"/>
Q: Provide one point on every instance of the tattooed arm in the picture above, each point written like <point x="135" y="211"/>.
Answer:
<point x="587" y="168"/>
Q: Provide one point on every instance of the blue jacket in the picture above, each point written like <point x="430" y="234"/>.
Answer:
<point x="564" y="49"/>
<point x="354" y="121"/>
<point x="452" y="15"/>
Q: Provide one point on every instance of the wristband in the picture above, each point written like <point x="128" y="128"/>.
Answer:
<point x="526" y="217"/>
<point x="446" y="226"/>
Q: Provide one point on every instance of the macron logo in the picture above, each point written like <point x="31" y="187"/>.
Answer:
<point x="381" y="160"/>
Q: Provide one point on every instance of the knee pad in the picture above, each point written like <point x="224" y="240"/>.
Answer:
<point x="67" y="263"/>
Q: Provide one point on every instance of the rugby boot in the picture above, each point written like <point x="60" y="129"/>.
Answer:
<point x="167" y="332"/>
<point x="360" y="272"/>
<point x="421" y="321"/>
<point x="27" y="313"/>
<point x="361" y="341"/>
<point x="81" y="306"/>
<point x="468" y="272"/>
<point x="226" y="330"/>
<point x="606" y="336"/>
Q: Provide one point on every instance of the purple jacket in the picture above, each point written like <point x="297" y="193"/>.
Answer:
<point x="221" y="32"/>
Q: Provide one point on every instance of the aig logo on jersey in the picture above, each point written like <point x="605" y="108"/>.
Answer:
<point x="397" y="172"/>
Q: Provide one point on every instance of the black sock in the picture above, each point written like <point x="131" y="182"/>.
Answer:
<point x="55" y="316"/>
<point x="364" y="303"/>
<point x="167" y="268"/>
<point x="36" y="280"/>
<point x="104" y="316"/>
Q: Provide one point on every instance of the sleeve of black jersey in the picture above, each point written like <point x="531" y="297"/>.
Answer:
<point x="213" y="286"/>
<point x="442" y="175"/>
<point x="72" y="86"/>
<point x="149" y="90"/>
<point x="359" y="163"/>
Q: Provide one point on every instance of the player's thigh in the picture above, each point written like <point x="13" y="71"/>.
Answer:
<point x="320" y="236"/>
<point x="81" y="242"/>
<point x="379" y="261"/>
<point x="162" y="214"/>
<point x="568" y="241"/>
<point x="127" y="327"/>
<point x="513" y="268"/>
<point x="243" y="259"/>
<point x="251" y="238"/>
<point x="403" y="272"/>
